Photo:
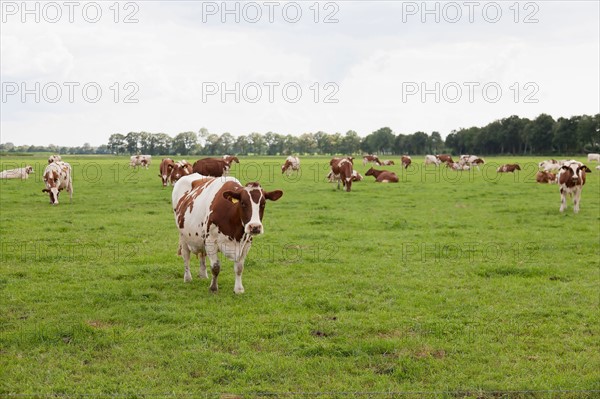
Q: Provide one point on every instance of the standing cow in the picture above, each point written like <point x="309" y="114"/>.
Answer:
<point x="571" y="180"/>
<point x="218" y="214"/>
<point x="342" y="171"/>
<point x="165" y="168"/>
<point x="290" y="165"/>
<point x="58" y="177"/>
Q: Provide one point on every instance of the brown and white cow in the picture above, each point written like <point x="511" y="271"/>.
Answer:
<point x="19" y="173"/>
<point x="510" y="167"/>
<point x="58" y="177"/>
<point x="218" y="214"/>
<point x="444" y="158"/>
<point x="382" y="176"/>
<point x="431" y="160"/>
<point x="545" y="177"/>
<point x="457" y="166"/>
<point x="342" y="171"/>
<point x="406" y="161"/>
<point x="231" y="159"/>
<point x="387" y="162"/>
<point x="180" y="169"/>
<point x="571" y="180"/>
<point x="214" y="167"/>
<point x="140" y="160"/>
<point x="371" y="158"/>
<point x="54" y="158"/>
<point x="165" y="168"/>
<point x="291" y="164"/>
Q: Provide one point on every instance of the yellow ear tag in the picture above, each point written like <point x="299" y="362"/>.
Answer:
<point x="234" y="200"/>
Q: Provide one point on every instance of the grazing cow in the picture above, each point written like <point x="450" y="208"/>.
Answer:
<point x="231" y="159"/>
<point x="593" y="157"/>
<point x="54" y="158"/>
<point x="549" y="165"/>
<point x="371" y="158"/>
<point x="406" y="161"/>
<point x="58" y="177"/>
<point x="140" y="160"/>
<point x="342" y="170"/>
<point x="214" y="167"/>
<point x="180" y="169"/>
<point x="218" y="214"/>
<point x="166" y="166"/>
<point x="19" y="173"/>
<point x="431" y="160"/>
<point x="291" y="164"/>
<point x="508" y="168"/>
<point x="382" y="176"/>
<point x="387" y="162"/>
<point x="545" y="177"/>
<point x="444" y="158"/>
<point x="571" y="180"/>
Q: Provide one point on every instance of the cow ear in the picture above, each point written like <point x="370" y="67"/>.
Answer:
<point x="586" y="169"/>
<point x="274" y="195"/>
<point x="565" y="167"/>
<point x="232" y="196"/>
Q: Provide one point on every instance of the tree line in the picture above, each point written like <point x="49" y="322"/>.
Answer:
<point x="513" y="135"/>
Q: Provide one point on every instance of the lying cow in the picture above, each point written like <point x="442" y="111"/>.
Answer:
<point x="218" y="214"/>
<point x="545" y="177"/>
<point x="382" y="176"/>
<point x="291" y="164"/>
<point x="58" y="177"/>
<point x="571" y="180"/>
<point x="334" y="178"/>
<point x="371" y="159"/>
<point x="457" y="166"/>
<point x="549" y="165"/>
<point x="387" y="162"/>
<point x="214" y="167"/>
<point x="342" y="171"/>
<point x="508" y="168"/>
<point x="19" y="173"/>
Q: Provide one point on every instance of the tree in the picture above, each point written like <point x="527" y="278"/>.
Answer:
<point x="184" y="142"/>
<point x="350" y="144"/>
<point x="132" y="142"/>
<point x="116" y="143"/>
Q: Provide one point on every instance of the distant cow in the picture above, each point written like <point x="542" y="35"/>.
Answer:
<point x="58" y="177"/>
<point x="545" y="177"/>
<point x="54" y="158"/>
<point x="165" y="168"/>
<point x="214" y="167"/>
<point x="342" y="169"/>
<point x="355" y="176"/>
<point x="290" y="165"/>
<point x="215" y="215"/>
<point x="549" y="165"/>
<point x="180" y="169"/>
<point x="571" y="180"/>
<point x="371" y="158"/>
<point x="431" y="160"/>
<point x="387" y="162"/>
<point x="444" y="158"/>
<point x="508" y="168"/>
<point x="382" y="176"/>
<point x="406" y="161"/>
<point x="593" y="157"/>
<point x="231" y="159"/>
<point x="140" y="160"/>
<point x="19" y="173"/>
<point x="457" y="166"/>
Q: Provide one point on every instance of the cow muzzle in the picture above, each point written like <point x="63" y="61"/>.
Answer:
<point x="254" y="228"/>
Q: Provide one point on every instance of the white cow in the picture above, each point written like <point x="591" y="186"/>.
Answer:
<point x="19" y="173"/>
<point x="549" y="165"/>
<point x="58" y="177"/>
<point x="432" y="159"/>
<point x="593" y="157"/>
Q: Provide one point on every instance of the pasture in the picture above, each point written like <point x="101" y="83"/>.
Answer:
<point x="460" y="284"/>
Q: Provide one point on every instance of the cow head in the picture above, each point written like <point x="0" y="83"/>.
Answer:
<point x="28" y="169"/>
<point x="573" y="173"/>
<point x="166" y="166"/>
<point x="250" y="202"/>
<point x="52" y="181"/>
<point x="370" y="172"/>
<point x="285" y="166"/>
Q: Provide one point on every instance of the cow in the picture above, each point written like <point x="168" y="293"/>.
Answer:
<point x="355" y="176"/>
<point x="406" y="161"/>
<point x="180" y="169"/>
<point x="231" y="159"/>
<point x="508" y="168"/>
<point x="457" y="166"/>
<point x="387" y="162"/>
<point x="444" y="158"/>
<point x="571" y="179"/>
<point x="431" y="160"/>
<point x="58" y="177"/>
<point x="140" y="160"/>
<point x="54" y="158"/>
<point x="382" y="176"/>
<point x="371" y="158"/>
<point x="218" y="214"/>
<point x="165" y="168"/>
<point x="593" y="157"/>
<point x="291" y="164"/>
<point x="19" y="173"/>
<point x="545" y="177"/>
<point x="549" y="165"/>
<point x="342" y="170"/>
<point x="598" y="167"/>
<point x="214" y="167"/>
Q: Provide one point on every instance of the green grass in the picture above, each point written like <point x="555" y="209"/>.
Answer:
<point x="457" y="283"/>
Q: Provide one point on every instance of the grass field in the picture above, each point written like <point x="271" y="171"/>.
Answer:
<point x="459" y="284"/>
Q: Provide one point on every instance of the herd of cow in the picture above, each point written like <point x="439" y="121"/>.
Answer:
<point x="216" y="213"/>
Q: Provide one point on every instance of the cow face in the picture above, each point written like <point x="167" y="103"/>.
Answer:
<point x="250" y="202"/>
<point x="573" y="174"/>
<point x="52" y="181"/>
<point x="28" y="169"/>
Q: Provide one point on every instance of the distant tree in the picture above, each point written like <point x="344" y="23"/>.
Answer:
<point x="132" y="142"/>
<point x="350" y="143"/>
<point x="184" y="142"/>
<point x="116" y="143"/>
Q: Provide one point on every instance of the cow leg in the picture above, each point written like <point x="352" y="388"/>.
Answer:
<point x="238" y="268"/>
<point x="215" y="266"/>
<point x="576" y="197"/>
<point x="563" y="200"/>
<point x="185" y="254"/>
<point x="202" y="272"/>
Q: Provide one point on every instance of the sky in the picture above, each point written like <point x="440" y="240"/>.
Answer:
<point x="77" y="72"/>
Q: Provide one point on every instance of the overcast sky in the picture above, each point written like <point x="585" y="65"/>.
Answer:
<point x="86" y="70"/>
